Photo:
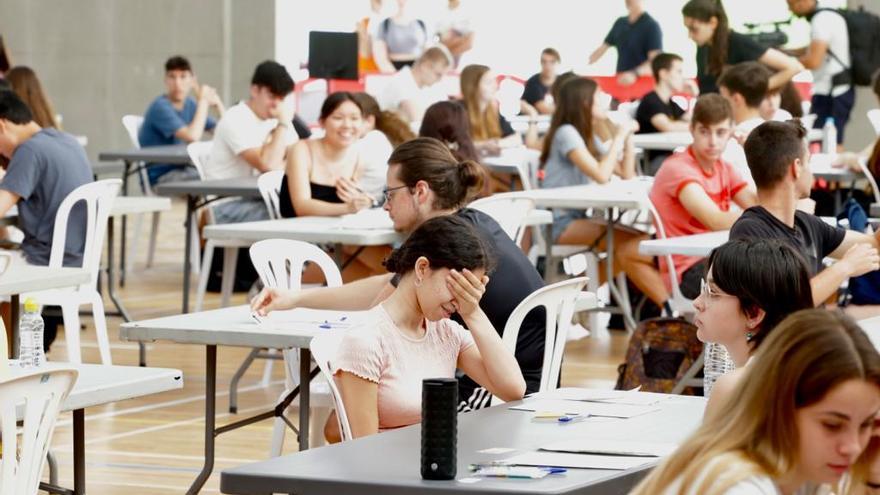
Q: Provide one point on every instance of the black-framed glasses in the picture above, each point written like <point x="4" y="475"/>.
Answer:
<point x="386" y="192"/>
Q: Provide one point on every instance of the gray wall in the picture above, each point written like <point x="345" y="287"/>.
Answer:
<point x="102" y="59"/>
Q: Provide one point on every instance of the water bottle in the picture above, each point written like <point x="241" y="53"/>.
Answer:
<point x="30" y="328"/>
<point x="829" y="136"/>
<point x="716" y="362"/>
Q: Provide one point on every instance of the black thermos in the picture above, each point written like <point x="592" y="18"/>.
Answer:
<point x="439" y="428"/>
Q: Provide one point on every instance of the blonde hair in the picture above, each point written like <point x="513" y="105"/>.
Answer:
<point x="484" y="125"/>
<point x="807" y="355"/>
<point x="25" y="84"/>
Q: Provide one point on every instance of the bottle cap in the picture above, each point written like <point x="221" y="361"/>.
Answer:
<point x="30" y="305"/>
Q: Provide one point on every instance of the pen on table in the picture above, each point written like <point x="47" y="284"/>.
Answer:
<point x="256" y="317"/>
<point x="573" y="418"/>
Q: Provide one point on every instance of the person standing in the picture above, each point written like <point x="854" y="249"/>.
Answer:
<point x="638" y="39"/>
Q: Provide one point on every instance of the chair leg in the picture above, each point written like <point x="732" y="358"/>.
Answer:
<point x="133" y="245"/>
<point x="53" y="468"/>
<point x="278" y="431"/>
<point x="230" y="258"/>
<point x="154" y="233"/>
<point x="70" y="315"/>
<point x="267" y="369"/>
<point x="593" y="286"/>
<point x="194" y="246"/>
<point x="101" y="329"/>
<point x="320" y="415"/>
<point x="233" y="384"/>
<point x="203" y="275"/>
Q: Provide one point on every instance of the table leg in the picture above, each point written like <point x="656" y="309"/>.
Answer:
<point x="124" y="227"/>
<point x="609" y="273"/>
<point x="187" y="246"/>
<point x="79" y="452"/>
<point x="548" y="254"/>
<point x="111" y="286"/>
<point x="210" y="404"/>
<point x="305" y="368"/>
<point x="13" y="322"/>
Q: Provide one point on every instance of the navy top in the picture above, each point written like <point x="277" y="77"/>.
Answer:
<point x="319" y="192"/>
<point x="634" y="41"/>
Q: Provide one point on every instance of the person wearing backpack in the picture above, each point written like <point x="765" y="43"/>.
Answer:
<point x="399" y="40"/>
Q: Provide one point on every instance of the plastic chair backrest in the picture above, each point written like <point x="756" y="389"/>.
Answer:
<point x="509" y="92"/>
<point x="874" y="119"/>
<point x="270" y="188"/>
<point x="279" y="263"/>
<point x="863" y="165"/>
<point x="36" y="399"/>
<point x="199" y="153"/>
<point x="678" y="302"/>
<point x="509" y="212"/>
<point x="132" y="124"/>
<point x="98" y="201"/>
<point x="324" y="348"/>
<point x="558" y="300"/>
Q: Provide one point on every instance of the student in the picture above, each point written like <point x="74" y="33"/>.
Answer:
<point x="23" y="80"/>
<point x="574" y="155"/>
<point x="536" y="97"/>
<point x="364" y="28"/>
<point x="443" y="268"/>
<point x="718" y="46"/>
<point x="176" y="117"/>
<point x="455" y="29"/>
<point x="380" y="133"/>
<point x="253" y="137"/>
<point x="751" y="285"/>
<point x="426" y="181"/>
<point x="771" y="107"/>
<point x="399" y="40"/>
<point x="657" y="112"/>
<point x="413" y="89"/>
<point x="778" y="157"/>
<point x="694" y="190"/>
<point x="489" y="129"/>
<point x="822" y="375"/>
<point x="828" y="59"/>
<point x="447" y="121"/>
<point x="638" y="39"/>
<point x="745" y="87"/>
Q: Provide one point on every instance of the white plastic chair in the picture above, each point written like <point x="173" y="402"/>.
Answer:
<point x="270" y="188"/>
<point x="509" y="92"/>
<point x="509" y="212"/>
<point x="677" y="302"/>
<point x="279" y="262"/>
<point x="98" y="201"/>
<point x="38" y="396"/>
<point x="863" y="166"/>
<point x="324" y="348"/>
<point x="132" y="125"/>
<point x="874" y="119"/>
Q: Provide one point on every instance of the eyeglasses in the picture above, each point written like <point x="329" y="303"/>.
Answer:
<point x="386" y="192"/>
<point x="709" y="294"/>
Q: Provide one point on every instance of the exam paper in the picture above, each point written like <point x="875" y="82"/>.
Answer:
<point x="318" y="318"/>
<point x="582" y="407"/>
<point x="372" y="219"/>
<point x="608" y="396"/>
<point x="611" y="447"/>
<point x="580" y="461"/>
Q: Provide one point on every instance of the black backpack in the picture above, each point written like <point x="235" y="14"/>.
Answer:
<point x="863" y="28"/>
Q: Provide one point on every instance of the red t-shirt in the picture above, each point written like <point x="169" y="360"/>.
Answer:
<point x="679" y="170"/>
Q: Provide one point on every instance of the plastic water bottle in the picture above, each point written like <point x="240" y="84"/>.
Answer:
<point x="30" y="328"/>
<point x="716" y="362"/>
<point x="829" y="136"/>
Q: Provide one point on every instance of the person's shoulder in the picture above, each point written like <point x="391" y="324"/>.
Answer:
<point x="534" y="79"/>
<point x="483" y="222"/>
<point x="566" y="132"/>
<point x="649" y="20"/>
<point x="752" y="221"/>
<point x="160" y="102"/>
<point x="753" y="485"/>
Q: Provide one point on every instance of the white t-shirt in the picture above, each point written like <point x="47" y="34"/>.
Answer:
<point x="402" y="87"/>
<point x="239" y="129"/>
<point x="830" y="27"/>
<point x="734" y="152"/>
<point x="374" y="151"/>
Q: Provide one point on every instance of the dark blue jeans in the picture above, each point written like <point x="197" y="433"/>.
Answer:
<point x="838" y="107"/>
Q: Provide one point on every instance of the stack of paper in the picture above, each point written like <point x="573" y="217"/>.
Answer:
<point x="580" y="461"/>
<point x="607" y="396"/>
<point x="612" y="447"/>
<point x="372" y="219"/>
<point x="319" y="319"/>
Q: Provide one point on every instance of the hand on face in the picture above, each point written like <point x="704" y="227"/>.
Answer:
<point x="467" y="290"/>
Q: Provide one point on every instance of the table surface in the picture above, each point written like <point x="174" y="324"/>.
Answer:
<point x="626" y="194"/>
<point x="355" y="468"/>
<point x="174" y="154"/>
<point x="820" y="165"/>
<point x="129" y="205"/>
<point x="21" y="278"/>
<point x="242" y="186"/>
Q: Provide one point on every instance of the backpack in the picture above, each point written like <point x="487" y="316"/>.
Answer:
<point x="863" y="28"/>
<point x="661" y="351"/>
<point x="864" y="289"/>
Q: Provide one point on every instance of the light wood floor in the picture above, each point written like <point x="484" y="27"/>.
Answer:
<point x="154" y="445"/>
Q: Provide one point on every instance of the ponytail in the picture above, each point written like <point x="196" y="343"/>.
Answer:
<point x="704" y="11"/>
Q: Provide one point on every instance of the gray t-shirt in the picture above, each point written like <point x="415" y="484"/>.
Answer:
<point x="43" y="171"/>
<point x="403" y="39"/>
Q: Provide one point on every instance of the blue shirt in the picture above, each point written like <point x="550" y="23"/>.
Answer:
<point x="161" y="121"/>
<point x="634" y="41"/>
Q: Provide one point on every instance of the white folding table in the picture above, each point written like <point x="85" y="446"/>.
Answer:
<point x="519" y="162"/>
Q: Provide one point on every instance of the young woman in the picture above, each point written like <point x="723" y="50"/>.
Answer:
<point x="380" y="365"/>
<point x="489" y="129"/>
<point x="804" y="425"/>
<point x="718" y="46"/>
<point x="750" y="286"/>
<point x="573" y="154"/>
<point x="23" y="81"/>
<point x="381" y="132"/>
<point x="399" y="40"/>
<point x="448" y="122"/>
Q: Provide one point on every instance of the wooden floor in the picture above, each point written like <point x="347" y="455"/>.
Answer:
<point x="154" y="445"/>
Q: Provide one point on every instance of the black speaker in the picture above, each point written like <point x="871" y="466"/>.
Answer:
<point x="439" y="428"/>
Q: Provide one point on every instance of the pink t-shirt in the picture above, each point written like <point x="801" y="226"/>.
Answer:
<point x="678" y="171"/>
<point x="378" y="351"/>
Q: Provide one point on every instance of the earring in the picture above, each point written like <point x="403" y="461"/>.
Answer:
<point x="749" y="336"/>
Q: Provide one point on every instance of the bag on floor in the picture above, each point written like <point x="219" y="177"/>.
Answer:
<point x="660" y="352"/>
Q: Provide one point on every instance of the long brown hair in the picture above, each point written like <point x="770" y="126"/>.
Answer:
<point x="24" y="82"/>
<point x="803" y="359"/>
<point x="575" y="107"/>
<point x="448" y="122"/>
<point x="704" y="11"/>
<point x="454" y="182"/>
<point x="484" y="125"/>
<point x="389" y="123"/>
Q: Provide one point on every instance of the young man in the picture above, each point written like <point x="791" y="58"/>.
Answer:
<point x="827" y="56"/>
<point x="693" y="190"/>
<point x="778" y="155"/>
<point x="411" y="91"/>
<point x="253" y="137"/>
<point x="657" y="112"/>
<point x="745" y="86"/>
<point x="536" y="98"/>
<point x="176" y="117"/>
<point x="638" y="39"/>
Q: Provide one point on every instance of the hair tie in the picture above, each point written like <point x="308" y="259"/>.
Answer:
<point x="452" y="145"/>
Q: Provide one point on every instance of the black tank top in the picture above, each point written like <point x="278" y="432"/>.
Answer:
<point x="319" y="192"/>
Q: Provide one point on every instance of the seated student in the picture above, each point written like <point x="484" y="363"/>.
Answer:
<point x="413" y="89"/>
<point x="176" y="117"/>
<point x="443" y="267"/>
<point x="750" y="286"/>
<point x="771" y="107"/>
<point x="657" y="112"/>
<point x="574" y="155"/>
<point x="800" y="422"/>
<point x="489" y="129"/>
<point x="23" y="80"/>
<point x="745" y="87"/>
<point x="399" y="40"/>
<point x="253" y="137"/>
<point x="779" y="159"/>
<point x="536" y="97"/>
<point x="426" y="181"/>
<point x="447" y="121"/>
<point x="381" y="131"/>
<point x="694" y="190"/>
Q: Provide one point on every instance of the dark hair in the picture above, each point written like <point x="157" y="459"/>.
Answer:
<point x="711" y="109"/>
<point x="334" y="100"/>
<point x="4" y="85"/>
<point x="5" y="59"/>
<point x="274" y="77"/>
<point x="771" y="148"/>
<point x="790" y="100"/>
<point x="448" y="122"/>
<point x="663" y="61"/>
<point x="177" y="63"/>
<point x="560" y="80"/>
<point x="749" y="79"/>
<point x="765" y="274"/>
<point x="13" y="109"/>
<point x="24" y="81"/>
<point x="574" y="106"/>
<point x="447" y="241"/>
<point x="704" y="11"/>
<point x="388" y="123"/>
<point x="425" y="159"/>
<point x="552" y="52"/>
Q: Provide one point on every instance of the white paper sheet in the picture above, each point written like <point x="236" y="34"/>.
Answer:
<point x="607" y="396"/>
<point x="581" y="407"/>
<point x="372" y="219"/>
<point x="319" y="318"/>
<point x="580" y="461"/>
<point x="611" y="447"/>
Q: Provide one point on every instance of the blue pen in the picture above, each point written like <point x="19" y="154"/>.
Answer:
<point x="573" y="418"/>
